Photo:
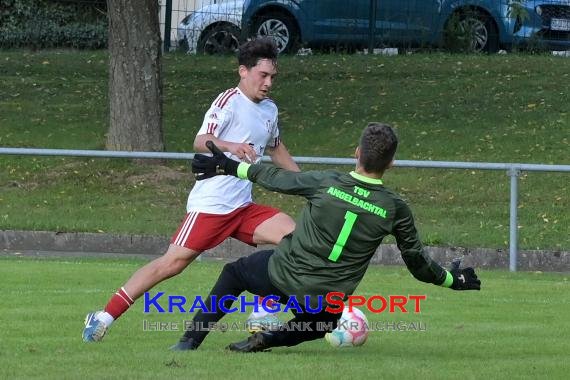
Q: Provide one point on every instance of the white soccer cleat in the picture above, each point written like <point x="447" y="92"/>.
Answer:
<point x="94" y="329"/>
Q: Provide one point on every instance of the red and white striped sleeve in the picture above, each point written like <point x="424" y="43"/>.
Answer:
<point x="275" y="139"/>
<point x="218" y="116"/>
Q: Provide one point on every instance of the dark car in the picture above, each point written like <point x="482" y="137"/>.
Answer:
<point x="479" y="25"/>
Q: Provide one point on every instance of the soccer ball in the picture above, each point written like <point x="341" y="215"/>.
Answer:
<point x="352" y="329"/>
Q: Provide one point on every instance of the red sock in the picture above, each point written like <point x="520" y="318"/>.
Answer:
<point x="119" y="303"/>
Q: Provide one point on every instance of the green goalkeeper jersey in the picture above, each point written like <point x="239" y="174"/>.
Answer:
<point x="345" y="220"/>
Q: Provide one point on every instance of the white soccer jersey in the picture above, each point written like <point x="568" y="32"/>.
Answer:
<point x="235" y="118"/>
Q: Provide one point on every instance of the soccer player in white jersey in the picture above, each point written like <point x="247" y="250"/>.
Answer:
<point x="242" y="122"/>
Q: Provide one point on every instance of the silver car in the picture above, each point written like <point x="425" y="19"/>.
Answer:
<point x="212" y="29"/>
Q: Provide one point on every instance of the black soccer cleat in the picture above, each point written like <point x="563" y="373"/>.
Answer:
<point x="255" y="343"/>
<point x="185" y="344"/>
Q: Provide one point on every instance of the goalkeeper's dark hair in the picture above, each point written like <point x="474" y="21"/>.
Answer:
<point x="260" y="48"/>
<point x="378" y="144"/>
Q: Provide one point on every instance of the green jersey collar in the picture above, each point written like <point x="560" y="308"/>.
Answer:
<point x="360" y="177"/>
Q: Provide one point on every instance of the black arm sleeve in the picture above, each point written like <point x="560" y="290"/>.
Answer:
<point x="419" y="263"/>
<point x="285" y="181"/>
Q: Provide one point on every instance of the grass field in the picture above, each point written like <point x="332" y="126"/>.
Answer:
<point x="516" y="328"/>
<point x="446" y="107"/>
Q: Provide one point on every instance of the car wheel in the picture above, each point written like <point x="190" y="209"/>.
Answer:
<point x="473" y="32"/>
<point x="221" y="39"/>
<point x="183" y="45"/>
<point x="281" y="28"/>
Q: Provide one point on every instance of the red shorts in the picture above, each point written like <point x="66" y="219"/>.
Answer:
<point x="200" y="231"/>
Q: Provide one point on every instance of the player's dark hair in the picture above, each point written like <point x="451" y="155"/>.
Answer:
<point x="378" y="145"/>
<point x="260" y="48"/>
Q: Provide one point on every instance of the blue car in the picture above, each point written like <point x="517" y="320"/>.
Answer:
<point x="479" y="25"/>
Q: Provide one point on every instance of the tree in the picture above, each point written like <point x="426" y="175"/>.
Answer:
<point x="135" y="83"/>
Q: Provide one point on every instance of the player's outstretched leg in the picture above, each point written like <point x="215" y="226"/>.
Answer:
<point x="98" y="323"/>
<point x="228" y="283"/>
<point x="174" y="261"/>
<point x="286" y="336"/>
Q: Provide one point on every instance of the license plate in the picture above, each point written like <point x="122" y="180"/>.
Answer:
<point x="559" y="24"/>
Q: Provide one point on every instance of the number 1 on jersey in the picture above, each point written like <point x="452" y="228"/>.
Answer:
<point x="349" y="219"/>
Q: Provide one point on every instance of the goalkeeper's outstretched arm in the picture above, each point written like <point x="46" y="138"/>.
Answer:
<point x="419" y="262"/>
<point x="270" y="177"/>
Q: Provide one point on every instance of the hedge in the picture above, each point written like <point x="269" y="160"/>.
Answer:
<point x="38" y="24"/>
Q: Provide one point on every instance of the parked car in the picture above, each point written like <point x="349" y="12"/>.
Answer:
<point x="483" y="25"/>
<point x="212" y="29"/>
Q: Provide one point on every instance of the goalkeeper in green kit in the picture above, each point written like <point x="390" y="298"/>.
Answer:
<point x="346" y="218"/>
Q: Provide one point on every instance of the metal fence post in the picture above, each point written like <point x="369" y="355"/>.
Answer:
<point x="167" y="22"/>
<point x="514" y="173"/>
<point x="372" y="26"/>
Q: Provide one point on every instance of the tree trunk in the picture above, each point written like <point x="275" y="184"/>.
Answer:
<point x="135" y="84"/>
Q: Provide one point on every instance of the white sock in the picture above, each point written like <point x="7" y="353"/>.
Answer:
<point x="259" y="314"/>
<point x="106" y="318"/>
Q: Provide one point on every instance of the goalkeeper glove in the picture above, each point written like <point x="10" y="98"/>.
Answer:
<point x="206" y="167"/>
<point x="464" y="278"/>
